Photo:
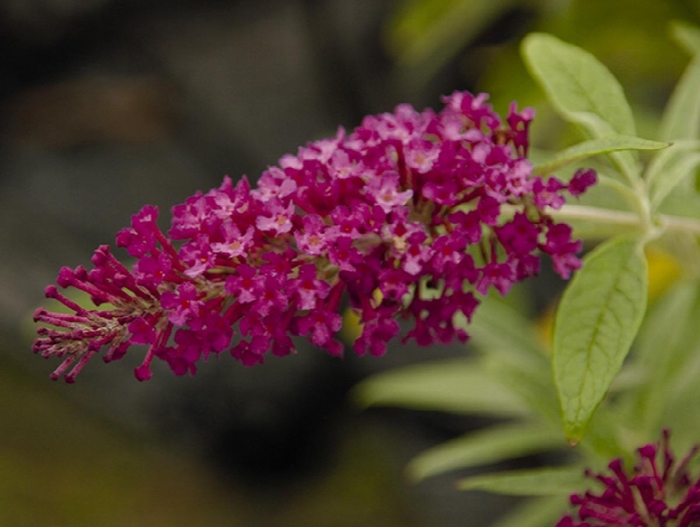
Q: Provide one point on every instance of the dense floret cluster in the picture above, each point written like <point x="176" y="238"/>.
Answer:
<point x="654" y="495"/>
<point x="414" y="214"/>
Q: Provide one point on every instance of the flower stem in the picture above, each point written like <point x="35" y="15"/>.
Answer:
<point x="618" y="217"/>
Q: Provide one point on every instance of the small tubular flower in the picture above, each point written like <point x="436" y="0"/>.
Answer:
<point x="407" y="199"/>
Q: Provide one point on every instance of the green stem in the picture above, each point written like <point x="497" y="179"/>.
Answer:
<point x="678" y="223"/>
<point x="595" y="214"/>
<point x="664" y="222"/>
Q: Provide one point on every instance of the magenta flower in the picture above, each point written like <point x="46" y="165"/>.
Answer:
<point x="183" y="304"/>
<point x="384" y="190"/>
<point x="278" y="219"/>
<point x="313" y="239"/>
<point x="234" y="243"/>
<point x="409" y="200"/>
<point x="657" y="493"/>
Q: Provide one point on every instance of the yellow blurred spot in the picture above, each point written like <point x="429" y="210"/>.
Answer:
<point x="664" y="270"/>
<point x="544" y="326"/>
<point x="377" y="296"/>
<point x="352" y="327"/>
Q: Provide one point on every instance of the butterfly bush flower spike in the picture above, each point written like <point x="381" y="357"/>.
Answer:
<point x="657" y="493"/>
<point x="413" y="215"/>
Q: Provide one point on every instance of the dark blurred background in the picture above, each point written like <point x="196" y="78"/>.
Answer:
<point x="106" y="105"/>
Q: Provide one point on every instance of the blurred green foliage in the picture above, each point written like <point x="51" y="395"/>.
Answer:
<point x="631" y="37"/>
<point x="600" y="314"/>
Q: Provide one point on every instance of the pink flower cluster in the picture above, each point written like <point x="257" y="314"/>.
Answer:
<point x="412" y="215"/>
<point x="652" y="496"/>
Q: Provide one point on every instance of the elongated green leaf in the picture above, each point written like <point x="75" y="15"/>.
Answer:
<point x="683" y="401"/>
<point x="666" y="323"/>
<point x="516" y="356"/>
<point x="682" y="202"/>
<point x="483" y="447"/>
<point x="534" y="386"/>
<point x="502" y="329"/>
<point x="536" y="512"/>
<point x="576" y="82"/>
<point x="596" y="147"/>
<point x="626" y="160"/>
<point x="669" y="335"/>
<point x="663" y="161"/>
<point x="532" y="482"/>
<point x="681" y="119"/>
<point x="597" y="320"/>
<point x="602" y="439"/>
<point x="686" y="166"/>
<point x="687" y="35"/>
<point x="671" y="168"/>
<point x="582" y="90"/>
<point x="451" y="386"/>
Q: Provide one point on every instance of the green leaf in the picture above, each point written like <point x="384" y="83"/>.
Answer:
<point x="534" y="386"/>
<point x="484" y="447"/>
<point x="516" y="356"/>
<point x="626" y="161"/>
<point x="498" y="327"/>
<point x="537" y="512"/>
<point x="576" y="82"/>
<point x="671" y="326"/>
<point x="582" y="90"/>
<point x="531" y="482"/>
<point x="681" y="118"/>
<point x="687" y="35"/>
<point x="451" y="386"/>
<point x="597" y="320"/>
<point x="662" y="161"/>
<point x="670" y="168"/>
<point x="602" y="439"/>
<point x="683" y="202"/>
<point x="684" y="399"/>
<point x="595" y="147"/>
<point x="686" y="166"/>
